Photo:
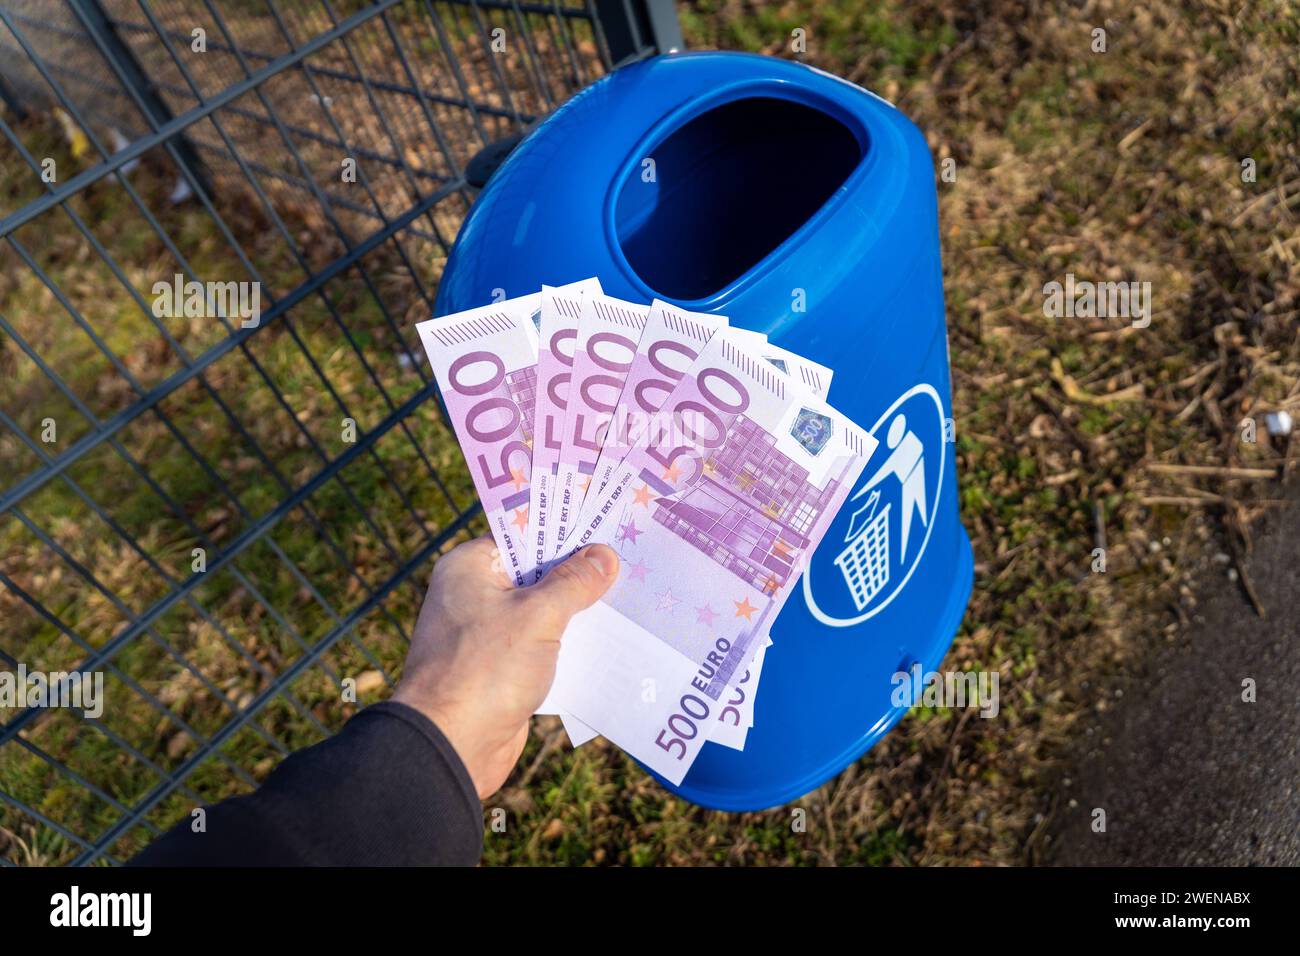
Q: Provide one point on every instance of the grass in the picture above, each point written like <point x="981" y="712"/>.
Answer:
<point x="1119" y="165"/>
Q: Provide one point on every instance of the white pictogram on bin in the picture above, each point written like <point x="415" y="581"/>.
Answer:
<point x="882" y="551"/>
<point x="865" y="562"/>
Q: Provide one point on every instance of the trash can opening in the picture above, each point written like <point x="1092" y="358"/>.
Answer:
<point x="726" y="188"/>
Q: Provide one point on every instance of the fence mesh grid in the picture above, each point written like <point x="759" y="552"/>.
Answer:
<point x="231" y="522"/>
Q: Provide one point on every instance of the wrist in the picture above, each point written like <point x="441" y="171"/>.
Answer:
<point x="426" y="705"/>
<point x="449" y="723"/>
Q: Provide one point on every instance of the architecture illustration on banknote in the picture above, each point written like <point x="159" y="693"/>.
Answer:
<point x="522" y="384"/>
<point x="751" y="509"/>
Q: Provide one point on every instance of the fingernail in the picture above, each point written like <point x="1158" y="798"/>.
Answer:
<point x="604" y="558"/>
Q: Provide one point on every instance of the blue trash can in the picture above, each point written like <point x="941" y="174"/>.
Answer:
<point x="804" y="207"/>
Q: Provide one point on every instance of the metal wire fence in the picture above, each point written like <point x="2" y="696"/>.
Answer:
<point x="222" y="477"/>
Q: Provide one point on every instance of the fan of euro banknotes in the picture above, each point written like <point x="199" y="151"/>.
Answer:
<point x="706" y="456"/>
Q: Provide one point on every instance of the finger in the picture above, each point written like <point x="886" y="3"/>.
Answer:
<point x="579" y="580"/>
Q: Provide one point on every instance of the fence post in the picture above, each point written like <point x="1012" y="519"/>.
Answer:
<point x="665" y="28"/>
<point x="127" y="67"/>
<point x="631" y="26"/>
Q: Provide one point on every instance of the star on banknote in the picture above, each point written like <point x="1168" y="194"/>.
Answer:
<point x="666" y="601"/>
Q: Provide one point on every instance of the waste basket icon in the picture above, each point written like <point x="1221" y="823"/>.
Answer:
<point x="864" y="562"/>
<point x="804" y="207"/>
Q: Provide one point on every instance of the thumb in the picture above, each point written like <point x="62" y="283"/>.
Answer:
<point x="579" y="580"/>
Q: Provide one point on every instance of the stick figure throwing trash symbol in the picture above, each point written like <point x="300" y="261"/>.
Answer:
<point x="879" y="556"/>
<point x="906" y="463"/>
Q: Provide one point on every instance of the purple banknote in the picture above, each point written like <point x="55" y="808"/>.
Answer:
<point x="669" y="345"/>
<point x="714" y="519"/>
<point x="608" y="333"/>
<point x="560" y="310"/>
<point x="736" y="710"/>
<point x="485" y="362"/>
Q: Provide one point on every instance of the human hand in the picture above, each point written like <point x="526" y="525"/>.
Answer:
<point x="483" y="653"/>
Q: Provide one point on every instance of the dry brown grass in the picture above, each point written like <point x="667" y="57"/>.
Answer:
<point x="1116" y="166"/>
<point x="1122" y="165"/>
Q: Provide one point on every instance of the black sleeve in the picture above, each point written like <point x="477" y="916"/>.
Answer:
<point x="387" y="790"/>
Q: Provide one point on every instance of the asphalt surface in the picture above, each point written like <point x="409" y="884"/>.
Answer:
<point x="1187" y="772"/>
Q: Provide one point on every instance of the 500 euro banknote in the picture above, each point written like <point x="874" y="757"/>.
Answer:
<point x="609" y="331"/>
<point x="714" y="519"/>
<point x="560" y="311"/>
<point x="485" y="362"/>
<point x="669" y="346"/>
<point x="670" y="343"/>
<point x="735" y="715"/>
